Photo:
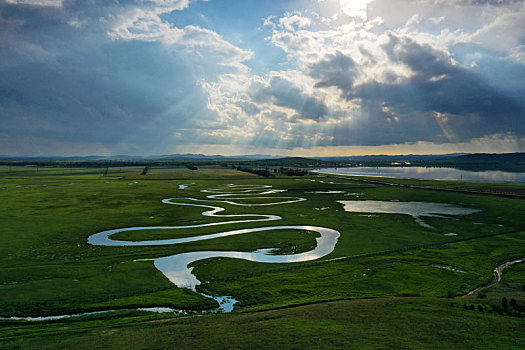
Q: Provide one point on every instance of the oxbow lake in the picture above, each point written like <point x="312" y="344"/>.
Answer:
<point x="429" y="173"/>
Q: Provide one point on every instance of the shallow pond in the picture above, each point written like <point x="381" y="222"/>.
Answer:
<point x="414" y="209"/>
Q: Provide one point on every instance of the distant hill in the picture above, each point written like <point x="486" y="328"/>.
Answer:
<point x="491" y="157"/>
<point x="384" y="157"/>
<point x="177" y="157"/>
<point x="299" y="162"/>
<point x="478" y="161"/>
<point x="514" y="162"/>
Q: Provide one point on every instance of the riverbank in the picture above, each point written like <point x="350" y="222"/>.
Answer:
<point x="51" y="269"/>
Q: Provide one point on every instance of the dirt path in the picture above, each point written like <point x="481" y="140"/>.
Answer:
<point x="497" y="274"/>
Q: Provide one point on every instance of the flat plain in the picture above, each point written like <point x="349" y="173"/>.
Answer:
<point x="389" y="282"/>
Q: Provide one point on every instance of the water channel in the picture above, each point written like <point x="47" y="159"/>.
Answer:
<point x="175" y="267"/>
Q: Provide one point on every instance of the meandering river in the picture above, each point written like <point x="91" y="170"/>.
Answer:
<point x="176" y="267"/>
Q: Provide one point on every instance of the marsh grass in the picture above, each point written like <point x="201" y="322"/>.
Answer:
<point x="398" y="323"/>
<point x="48" y="267"/>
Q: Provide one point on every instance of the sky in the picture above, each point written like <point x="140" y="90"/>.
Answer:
<point x="287" y="77"/>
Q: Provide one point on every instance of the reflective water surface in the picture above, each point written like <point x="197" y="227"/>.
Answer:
<point x="160" y="310"/>
<point x="326" y="192"/>
<point x="414" y="209"/>
<point x="176" y="267"/>
<point x="429" y="173"/>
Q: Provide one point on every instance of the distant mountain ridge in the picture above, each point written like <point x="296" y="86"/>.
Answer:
<point x="384" y="157"/>
<point x="516" y="157"/>
<point x="198" y="156"/>
<point x="514" y="162"/>
<point x="187" y="156"/>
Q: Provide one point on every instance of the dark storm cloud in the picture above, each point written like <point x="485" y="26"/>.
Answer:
<point x="335" y="70"/>
<point x="441" y="102"/>
<point x="421" y="59"/>
<point x="313" y="109"/>
<point x="63" y="79"/>
<point x="284" y="93"/>
<point x="75" y="105"/>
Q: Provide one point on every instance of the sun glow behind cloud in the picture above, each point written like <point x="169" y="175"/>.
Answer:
<point x="355" y="8"/>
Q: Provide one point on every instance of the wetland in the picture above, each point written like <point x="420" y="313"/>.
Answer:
<point x="244" y="244"/>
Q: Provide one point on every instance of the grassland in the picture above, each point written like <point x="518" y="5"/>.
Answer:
<point x="406" y="323"/>
<point x="176" y="172"/>
<point x="47" y="266"/>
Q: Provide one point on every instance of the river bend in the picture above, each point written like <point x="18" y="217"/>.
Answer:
<point x="176" y="267"/>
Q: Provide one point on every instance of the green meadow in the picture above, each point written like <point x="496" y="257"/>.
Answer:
<point x="389" y="282"/>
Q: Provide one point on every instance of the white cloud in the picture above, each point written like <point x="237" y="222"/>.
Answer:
<point x="76" y="23"/>
<point x="204" y="47"/>
<point x="384" y="52"/>
<point x="355" y="8"/>
<point x="169" y="5"/>
<point x="294" y="21"/>
<point x="504" y="32"/>
<point x="43" y="3"/>
<point x="436" y="20"/>
<point x="517" y="54"/>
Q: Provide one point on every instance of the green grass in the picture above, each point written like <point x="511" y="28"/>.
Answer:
<point x="52" y="246"/>
<point x="417" y="272"/>
<point x="47" y="266"/>
<point x="515" y="274"/>
<point x="365" y="324"/>
<point x="176" y="172"/>
<point x="511" y="286"/>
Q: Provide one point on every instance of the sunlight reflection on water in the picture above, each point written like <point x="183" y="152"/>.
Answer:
<point x="428" y="173"/>
<point x="414" y="209"/>
<point x="176" y="267"/>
